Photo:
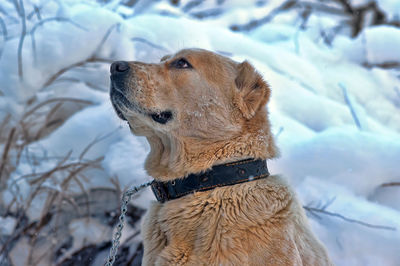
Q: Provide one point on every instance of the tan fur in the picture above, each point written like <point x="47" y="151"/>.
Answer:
<point x="218" y="116"/>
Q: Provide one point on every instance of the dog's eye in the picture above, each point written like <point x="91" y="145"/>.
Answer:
<point x="181" y="63"/>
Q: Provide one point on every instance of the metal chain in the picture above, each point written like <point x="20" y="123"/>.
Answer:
<point x="126" y="197"/>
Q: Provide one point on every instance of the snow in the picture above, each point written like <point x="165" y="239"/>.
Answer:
<point x="7" y="225"/>
<point x="348" y="244"/>
<point x="344" y="156"/>
<point x="324" y="154"/>
<point x="377" y="47"/>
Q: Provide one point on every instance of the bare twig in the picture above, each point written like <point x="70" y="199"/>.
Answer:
<point x="350" y="105"/>
<point x="3" y="11"/>
<point x="22" y="38"/>
<point x="58" y="19"/>
<point x="357" y="14"/>
<point x="105" y="37"/>
<point x="256" y="23"/>
<point x="92" y="59"/>
<point x="16" y="6"/>
<point x="333" y="214"/>
<point x="390" y="184"/>
<point x="318" y="6"/>
<point x="129" y="238"/>
<point x="192" y="4"/>
<point x="36" y="9"/>
<point x="385" y="65"/>
<point x="45" y="175"/>
<point x="138" y="39"/>
<point x="60" y="99"/>
<point x="95" y="141"/>
<point x="3" y="124"/>
<point x="328" y="37"/>
<point x="115" y="181"/>
<point x="44" y="21"/>
<point x="328" y="203"/>
<point x="279" y="133"/>
<point x="4" y="157"/>
<point x="89" y="84"/>
<point x="81" y="63"/>
<point x="397" y="90"/>
<point x="48" y="121"/>
<point x="3" y="33"/>
<point x="212" y="12"/>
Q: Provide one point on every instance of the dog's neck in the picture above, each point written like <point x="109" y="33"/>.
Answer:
<point x="171" y="158"/>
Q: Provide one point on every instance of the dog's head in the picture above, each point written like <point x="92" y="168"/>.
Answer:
<point x="195" y="98"/>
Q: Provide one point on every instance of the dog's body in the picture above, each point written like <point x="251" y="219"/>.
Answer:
<point x="254" y="223"/>
<point x="199" y="109"/>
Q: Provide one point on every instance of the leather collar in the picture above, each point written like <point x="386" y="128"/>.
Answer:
<point x="218" y="176"/>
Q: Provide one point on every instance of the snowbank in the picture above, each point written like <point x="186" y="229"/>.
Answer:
<point x="318" y="93"/>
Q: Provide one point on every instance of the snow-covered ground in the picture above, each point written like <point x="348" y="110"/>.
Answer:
<point x="335" y="106"/>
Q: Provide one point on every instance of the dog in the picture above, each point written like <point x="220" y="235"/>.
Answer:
<point x="205" y="119"/>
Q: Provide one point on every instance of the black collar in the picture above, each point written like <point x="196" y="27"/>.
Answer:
<point x="218" y="176"/>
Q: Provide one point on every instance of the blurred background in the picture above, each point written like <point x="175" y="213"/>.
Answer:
<point x="65" y="157"/>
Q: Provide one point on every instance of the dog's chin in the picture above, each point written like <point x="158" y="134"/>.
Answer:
<point x="118" y="101"/>
<point x="119" y="113"/>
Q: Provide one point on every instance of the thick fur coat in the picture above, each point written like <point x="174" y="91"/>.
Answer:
<point x="199" y="109"/>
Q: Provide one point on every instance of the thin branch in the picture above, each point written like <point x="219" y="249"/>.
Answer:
<point x="81" y="63"/>
<point x="333" y="214"/>
<point x="36" y="9"/>
<point x="129" y="238"/>
<point x="45" y="175"/>
<point x="385" y="65"/>
<point x="278" y="133"/>
<point x="89" y="84"/>
<point x="48" y="120"/>
<point x="5" y="122"/>
<point x="357" y="14"/>
<point x="16" y="6"/>
<point x="138" y="39"/>
<point x="256" y="23"/>
<point x="390" y="184"/>
<point x="22" y="38"/>
<point x="60" y="99"/>
<point x="95" y="141"/>
<point x="397" y="90"/>
<point x="212" y="12"/>
<point x="58" y="19"/>
<point x="192" y="4"/>
<point x="5" y="153"/>
<point x="92" y="59"/>
<point x="350" y="105"/>
<point x="46" y="20"/>
<point x="105" y="37"/>
<point x="321" y="7"/>
<point x="4" y="33"/>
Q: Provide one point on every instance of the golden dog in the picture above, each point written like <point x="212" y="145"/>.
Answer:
<point x="198" y="109"/>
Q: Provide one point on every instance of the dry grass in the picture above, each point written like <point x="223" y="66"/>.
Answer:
<point x="321" y="209"/>
<point x="67" y="175"/>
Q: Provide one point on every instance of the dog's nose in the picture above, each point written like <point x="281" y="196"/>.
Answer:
<point x="119" y="67"/>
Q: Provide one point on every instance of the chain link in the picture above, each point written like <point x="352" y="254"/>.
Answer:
<point x="126" y="197"/>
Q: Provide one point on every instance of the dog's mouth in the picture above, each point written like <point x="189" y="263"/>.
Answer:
<point x="120" y="103"/>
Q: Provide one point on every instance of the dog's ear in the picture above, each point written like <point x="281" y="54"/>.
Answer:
<point x="254" y="92"/>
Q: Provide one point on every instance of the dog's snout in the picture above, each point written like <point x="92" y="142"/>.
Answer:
<point x="119" y="67"/>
